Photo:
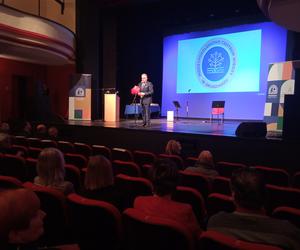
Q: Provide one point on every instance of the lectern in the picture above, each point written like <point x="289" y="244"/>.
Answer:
<point x="111" y="107"/>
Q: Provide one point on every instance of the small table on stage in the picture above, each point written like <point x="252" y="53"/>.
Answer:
<point x="136" y="109"/>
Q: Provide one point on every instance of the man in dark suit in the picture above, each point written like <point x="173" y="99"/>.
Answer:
<point x="146" y="91"/>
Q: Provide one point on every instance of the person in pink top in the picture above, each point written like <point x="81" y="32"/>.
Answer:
<point x="165" y="178"/>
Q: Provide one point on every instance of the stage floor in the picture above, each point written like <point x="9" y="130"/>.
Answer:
<point x="183" y="125"/>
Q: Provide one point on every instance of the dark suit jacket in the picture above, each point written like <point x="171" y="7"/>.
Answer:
<point x="146" y="88"/>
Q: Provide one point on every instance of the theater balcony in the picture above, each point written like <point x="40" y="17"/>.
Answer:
<point x="34" y="39"/>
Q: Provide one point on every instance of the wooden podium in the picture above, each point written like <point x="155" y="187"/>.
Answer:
<point x="111" y="107"/>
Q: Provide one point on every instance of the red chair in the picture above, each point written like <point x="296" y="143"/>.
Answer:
<point x="146" y="170"/>
<point x="194" y="198"/>
<point x="7" y="182"/>
<point x="95" y="224"/>
<point x="274" y="176"/>
<point x="144" y="157"/>
<point x="34" y="152"/>
<point x="288" y="213"/>
<point x="212" y="240"/>
<point x="121" y="154"/>
<point x="131" y="187"/>
<point x="34" y="142"/>
<point x="53" y="203"/>
<point x="48" y="144"/>
<point x="190" y="161"/>
<point x="65" y="147"/>
<point x="219" y="202"/>
<point x="281" y="196"/>
<point x="20" y="148"/>
<point x="296" y="180"/>
<point x="221" y="185"/>
<point x="21" y="140"/>
<point x="127" y="168"/>
<point x="226" y="168"/>
<point x="12" y="165"/>
<point x="176" y="158"/>
<point x="73" y="175"/>
<point x="77" y="160"/>
<point x="31" y="166"/>
<point x="83" y="149"/>
<point x="102" y="150"/>
<point x="146" y="232"/>
<point x="195" y="180"/>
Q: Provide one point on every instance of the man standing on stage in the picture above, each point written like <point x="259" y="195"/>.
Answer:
<point x="146" y="91"/>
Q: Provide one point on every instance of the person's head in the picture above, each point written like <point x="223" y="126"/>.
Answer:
<point x="206" y="158"/>
<point x="99" y="173"/>
<point x="165" y="177"/>
<point x="27" y="128"/>
<point x="53" y="132"/>
<point x="41" y="129"/>
<point x="144" y="77"/>
<point x="4" y="128"/>
<point x="21" y="219"/>
<point x="5" y="141"/>
<point x="51" y="166"/>
<point x="173" y="147"/>
<point x="248" y="189"/>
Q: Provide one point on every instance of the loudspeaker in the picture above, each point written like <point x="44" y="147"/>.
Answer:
<point x="252" y="130"/>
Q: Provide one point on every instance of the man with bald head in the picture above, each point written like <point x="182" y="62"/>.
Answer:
<point x="146" y="91"/>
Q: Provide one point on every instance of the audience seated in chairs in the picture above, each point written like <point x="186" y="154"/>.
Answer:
<point x="249" y="222"/>
<point x="41" y="131"/>
<point x="53" y="133"/>
<point x="204" y="165"/>
<point x="21" y="219"/>
<point x="51" y="171"/>
<point x="165" y="178"/>
<point x="99" y="181"/>
<point x="173" y="148"/>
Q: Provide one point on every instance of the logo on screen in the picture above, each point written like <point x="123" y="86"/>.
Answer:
<point x="216" y="62"/>
<point x="79" y="92"/>
<point x="273" y="91"/>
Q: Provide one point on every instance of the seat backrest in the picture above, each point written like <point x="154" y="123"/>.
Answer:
<point x="296" y="180"/>
<point x="73" y="175"/>
<point x="212" y="240"/>
<point x="175" y="158"/>
<point x="274" y="176"/>
<point x="65" y="146"/>
<point x="144" y="157"/>
<point x="77" y="160"/>
<point x="219" y="202"/>
<point x="7" y="182"/>
<point x="226" y="168"/>
<point x="190" y="161"/>
<point x="95" y="224"/>
<point x="34" y="142"/>
<point x="53" y="202"/>
<point x="12" y="165"/>
<point x="194" y="198"/>
<point x="121" y="154"/>
<point x="288" y="213"/>
<point x="281" y="196"/>
<point x="221" y="185"/>
<point x="126" y="167"/>
<point x="34" y="152"/>
<point x="21" y="140"/>
<point x="48" y="144"/>
<point x="31" y="166"/>
<point x="20" y="148"/>
<point x="102" y="150"/>
<point x="195" y="180"/>
<point x="83" y="149"/>
<point x="131" y="187"/>
<point x="146" y="232"/>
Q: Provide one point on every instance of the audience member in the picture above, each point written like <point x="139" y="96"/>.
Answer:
<point x="165" y="178"/>
<point x="249" y="222"/>
<point x="204" y="165"/>
<point x="21" y="219"/>
<point x="4" y="128"/>
<point x="53" y="133"/>
<point x="173" y="148"/>
<point x="41" y="131"/>
<point x="99" y="181"/>
<point x="51" y="171"/>
<point x="6" y="145"/>
<point x="27" y="129"/>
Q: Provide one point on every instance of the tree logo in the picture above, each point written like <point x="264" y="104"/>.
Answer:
<point x="216" y="62"/>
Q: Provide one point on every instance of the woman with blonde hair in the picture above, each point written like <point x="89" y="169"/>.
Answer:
<point x="173" y="147"/>
<point x="205" y="165"/>
<point x="99" y="181"/>
<point x="51" y="171"/>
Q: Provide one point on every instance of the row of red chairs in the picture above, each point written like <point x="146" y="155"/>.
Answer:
<point x="95" y="223"/>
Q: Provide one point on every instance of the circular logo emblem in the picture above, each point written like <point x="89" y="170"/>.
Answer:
<point x="273" y="90"/>
<point x="79" y="92"/>
<point x="216" y="62"/>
